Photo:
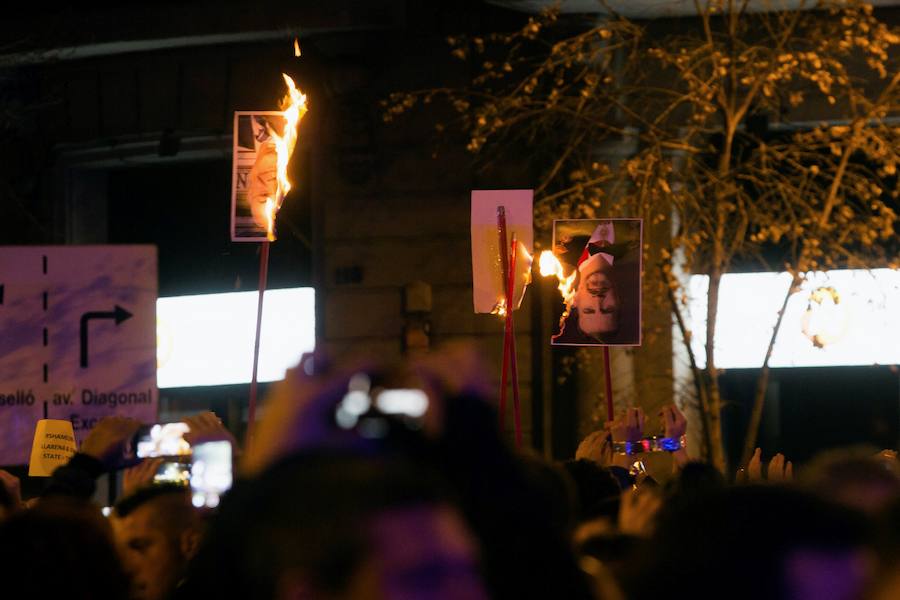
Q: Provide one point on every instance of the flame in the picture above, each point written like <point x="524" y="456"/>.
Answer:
<point x="523" y="270"/>
<point x="293" y="107"/>
<point x="270" y="219"/>
<point x="296" y="47"/>
<point x="550" y="265"/>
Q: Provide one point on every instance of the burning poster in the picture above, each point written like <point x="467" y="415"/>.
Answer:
<point x="488" y="284"/>
<point x="598" y="264"/>
<point x="254" y="172"/>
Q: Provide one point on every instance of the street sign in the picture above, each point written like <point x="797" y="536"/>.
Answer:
<point x="77" y="338"/>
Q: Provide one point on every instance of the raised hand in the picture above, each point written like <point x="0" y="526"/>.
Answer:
<point x="780" y="470"/>
<point x="638" y="510"/>
<point x="13" y="488"/>
<point x="595" y="447"/>
<point x="140" y="476"/>
<point x="207" y="427"/>
<point x="629" y="427"/>
<point x="107" y="440"/>
<point x="674" y="421"/>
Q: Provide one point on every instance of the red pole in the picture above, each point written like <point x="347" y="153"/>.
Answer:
<point x="511" y="339"/>
<point x="504" y="268"/>
<point x="263" y="280"/>
<point x="610" y="410"/>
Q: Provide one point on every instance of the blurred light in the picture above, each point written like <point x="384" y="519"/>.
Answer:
<point x="412" y="403"/>
<point x="862" y="329"/>
<point x="208" y="339"/>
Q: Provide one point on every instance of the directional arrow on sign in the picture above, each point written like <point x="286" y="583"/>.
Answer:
<point x="119" y="314"/>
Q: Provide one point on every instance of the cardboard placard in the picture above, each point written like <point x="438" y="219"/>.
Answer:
<point x="53" y="446"/>
<point x="488" y="285"/>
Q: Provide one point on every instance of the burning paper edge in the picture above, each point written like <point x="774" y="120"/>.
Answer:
<point x="293" y="109"/>
<point x="524" y="261"/>
<point x="488" y="288"/>
<point x="295" y="106"/>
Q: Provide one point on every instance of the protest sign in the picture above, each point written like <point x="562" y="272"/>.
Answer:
<point x="53" y="446"/>
<point x="601" y="275"/>
<point x="77" y="335"/>
<point x="488" y="283"/>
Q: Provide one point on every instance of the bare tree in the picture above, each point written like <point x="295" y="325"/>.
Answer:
<point x="763" y="136"/>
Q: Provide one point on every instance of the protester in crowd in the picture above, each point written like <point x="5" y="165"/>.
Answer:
<point x="453" y="462"/>
<point x="857" y="477"/>
<point x="102" y="450"/>
<point x="62" y="548"/>
<point x="157" y="532"/>
<point x="886" y="585"/>
<point x="751" y="542"/>
<point x="10" y="494"/>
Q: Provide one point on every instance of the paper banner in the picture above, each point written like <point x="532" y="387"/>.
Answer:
<point x="488" y="287"/>
<point x="54" y="445"/>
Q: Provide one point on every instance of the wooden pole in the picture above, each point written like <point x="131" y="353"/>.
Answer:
<point x="610" y="409"/>
<point x="263" y="281"/>
<point x="511" y="339"/>
<point x="504" y="268"/>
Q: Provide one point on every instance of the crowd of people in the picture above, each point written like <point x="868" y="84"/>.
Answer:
<point x="338" y="496"/>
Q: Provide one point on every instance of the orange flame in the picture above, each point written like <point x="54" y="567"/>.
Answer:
<point x="523" y="270"/>
<point x="293" y="107"/>
<point x="550" y="265"/>
<point x="296" y="47"/>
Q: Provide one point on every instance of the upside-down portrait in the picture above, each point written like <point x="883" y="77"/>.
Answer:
<point x="604" y="306"/>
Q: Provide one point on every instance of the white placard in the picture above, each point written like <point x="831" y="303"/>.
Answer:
<point x="488" y="287"/>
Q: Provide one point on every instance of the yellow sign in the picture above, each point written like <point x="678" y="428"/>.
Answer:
<point x="54" y="445"/>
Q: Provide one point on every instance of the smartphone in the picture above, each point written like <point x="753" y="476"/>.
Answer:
<point x="173" y="471"/>
<point x="364" y="409"/>
<point x="210" y="473"/>
<point x="162" y="439"/>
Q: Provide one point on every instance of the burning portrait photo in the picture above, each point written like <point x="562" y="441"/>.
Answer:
<point x="598" y="263"/>
<point x="254" y="173"/>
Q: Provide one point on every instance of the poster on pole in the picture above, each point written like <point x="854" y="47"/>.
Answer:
<point x="77" y="339"/>
<point x="601" y="282"/>
<point x="488" y="284"/>
<point x="254" y="172"/>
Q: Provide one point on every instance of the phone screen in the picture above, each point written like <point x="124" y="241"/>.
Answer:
<point x="173" y="472"/>
<point x="163" y="439"/>
<point x="210" y="473"/>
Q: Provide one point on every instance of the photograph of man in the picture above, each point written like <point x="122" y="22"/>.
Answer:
<point x="262" y="184"/>
<point x="255" y="172"/>
<point x="605" y="307"/>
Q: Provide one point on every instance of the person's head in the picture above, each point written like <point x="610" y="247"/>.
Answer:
<point x="598" y="490"/>
<point x="752" y="542"/>
<point x="60" y="549"/>
<point x="329" y="526"/>
<point x="596" y="299"/>
<point x="855" y="477"/>
<point x="157" y="531"/>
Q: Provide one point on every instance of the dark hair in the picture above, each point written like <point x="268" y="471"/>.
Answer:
<point x="734" y="542"/>
<point x="132" y="502"/>
<point x="307" y="515"/>
<point x="60" y="549"/>
<point x="597" y="488"/>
